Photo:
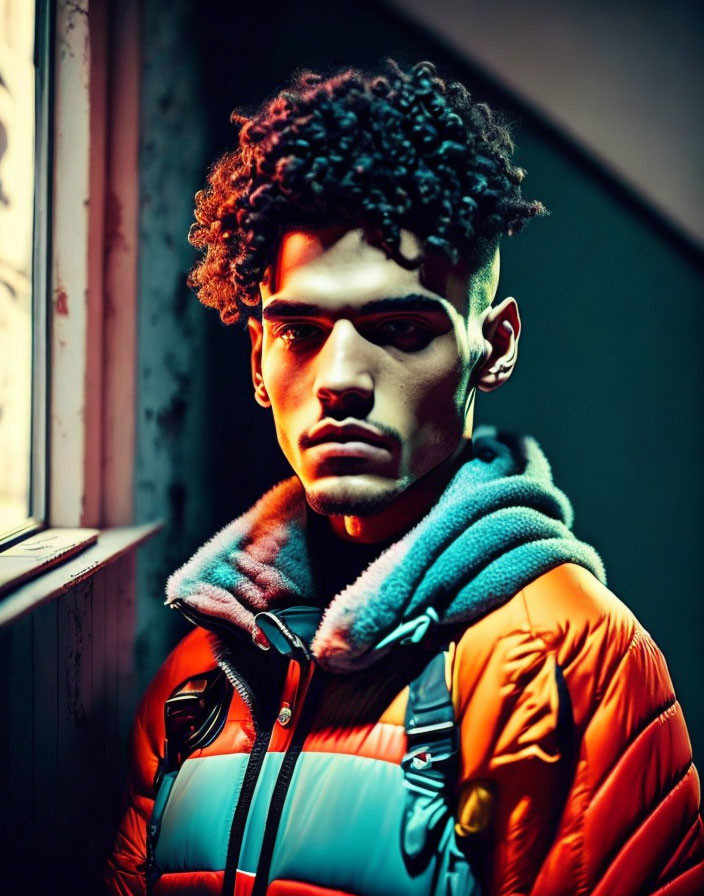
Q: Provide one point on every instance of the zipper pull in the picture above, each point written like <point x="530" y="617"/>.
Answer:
<point x="271" y="631"/>
<point x="411" y="632"/>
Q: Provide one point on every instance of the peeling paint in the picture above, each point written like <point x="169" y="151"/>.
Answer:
<point x="61" y="301"/>
<point x="70" y="13"/>
<point x="170" y="419"/>
<point x="173" y="407"/>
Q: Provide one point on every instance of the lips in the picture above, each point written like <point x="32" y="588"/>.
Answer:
<point x="345" y="433"/>
<point x="339" y="448"/>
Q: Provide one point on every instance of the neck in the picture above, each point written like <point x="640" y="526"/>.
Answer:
<point x="404" y="511"/>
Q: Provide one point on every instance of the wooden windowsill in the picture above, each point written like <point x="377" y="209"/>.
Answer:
<point x="97" y="549"/>
<point x="39" y="552"/>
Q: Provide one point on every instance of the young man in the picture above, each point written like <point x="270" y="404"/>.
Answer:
<point x="407" y="675"/>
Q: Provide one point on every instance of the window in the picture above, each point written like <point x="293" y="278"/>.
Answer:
<point x="23" y="176"/>
<point x="67" y="355"/>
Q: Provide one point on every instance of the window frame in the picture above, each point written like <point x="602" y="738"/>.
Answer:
<point x="84" y="250"/>
<point x="41" y="259"/>
<point x="43" y="57"/>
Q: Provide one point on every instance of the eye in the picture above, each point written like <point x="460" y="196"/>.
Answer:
<point x="295" y="334"/>
<point x="405" y="334"/>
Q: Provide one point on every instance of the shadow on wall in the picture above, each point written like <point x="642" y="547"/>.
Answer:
<point x="606" y="381"/>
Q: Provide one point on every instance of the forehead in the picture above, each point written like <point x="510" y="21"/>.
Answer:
<point x="334" y="266"/>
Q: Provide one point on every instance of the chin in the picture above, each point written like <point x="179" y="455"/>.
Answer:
<point x="354" y="495"/>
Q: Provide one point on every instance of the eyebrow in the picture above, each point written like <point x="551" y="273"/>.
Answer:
<point x="281" y="309"/>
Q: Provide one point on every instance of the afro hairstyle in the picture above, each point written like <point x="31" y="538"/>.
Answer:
<point x="387" y="150"/>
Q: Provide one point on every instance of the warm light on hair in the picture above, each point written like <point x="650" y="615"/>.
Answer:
<point x="387" y="151"/>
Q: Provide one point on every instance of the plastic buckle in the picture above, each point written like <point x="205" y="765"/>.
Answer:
<point x="424" y="759"/>
<point x="415" y="731"/>
<point x="439" y="738"/>
<point x="430" y="747"/>
<point x="422" y="772"/>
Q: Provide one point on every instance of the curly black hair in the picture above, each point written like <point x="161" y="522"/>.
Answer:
<point x="385" y="151"/>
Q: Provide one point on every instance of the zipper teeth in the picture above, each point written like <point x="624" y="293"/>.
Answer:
<point x="217" y="626"/>
<point x="285" y="629"/>
<point x="238" y="684"/>
<point x="307" y="709"/>
<point x="241" y="813"/>
<point x="211" y="623"/>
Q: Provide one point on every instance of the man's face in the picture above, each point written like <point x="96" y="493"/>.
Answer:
<point x="365" y="364"/>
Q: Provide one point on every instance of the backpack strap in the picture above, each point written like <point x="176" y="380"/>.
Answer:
<point x="430" y="769"/>
<point x="431" y="762"/>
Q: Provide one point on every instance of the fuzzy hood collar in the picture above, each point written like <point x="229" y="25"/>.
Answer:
<point x="500" y="523"/>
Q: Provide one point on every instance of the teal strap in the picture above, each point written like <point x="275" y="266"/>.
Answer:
<point x="430" y="763"/>
<point x="154" y="826"/>
<point x="430" y="769"/>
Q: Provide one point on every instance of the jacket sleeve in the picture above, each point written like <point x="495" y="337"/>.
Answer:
<point x="572" y="735"/>
<point x="125" y="871"/>
<point x="631" y="824"/>
<point x="124" y="874"/>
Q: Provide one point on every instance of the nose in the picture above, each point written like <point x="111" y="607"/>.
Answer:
<point x="344" y="384"/>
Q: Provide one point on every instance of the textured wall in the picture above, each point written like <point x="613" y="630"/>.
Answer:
<point x="172" y="412"/>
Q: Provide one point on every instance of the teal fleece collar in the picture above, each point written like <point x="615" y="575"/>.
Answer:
<point x="499" y="524"/>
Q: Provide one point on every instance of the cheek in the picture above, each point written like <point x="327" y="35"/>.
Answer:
<point x="440" y="406"/>
<point x="285" y="390"/>
<point x="434" y="391"/>
<point x="427" y="409"/>
<point x="284" y="381"/>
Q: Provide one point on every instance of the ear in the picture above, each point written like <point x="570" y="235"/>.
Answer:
<point x="256" y="335"/>
<point x="501" y="328"/>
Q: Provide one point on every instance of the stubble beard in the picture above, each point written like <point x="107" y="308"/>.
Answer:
<point x="329" y="504"/>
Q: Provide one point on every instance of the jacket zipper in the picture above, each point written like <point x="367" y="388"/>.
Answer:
<point x="244" y="801"/>
<point x="240" y="685"/>
<point x="256" y="755"/>
<point x="218" y="627"/>
<point x="259" y="751"/>
<point x="283" y="780"/>
<point x="204" y="620"/>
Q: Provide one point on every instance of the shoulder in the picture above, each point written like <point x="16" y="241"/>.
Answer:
<point x="563" y="677"/>
<point x="568" y="603"/>
<point x="604" y="652"/>
<point x="561" y="609"/>
<point x="566" y="620"/>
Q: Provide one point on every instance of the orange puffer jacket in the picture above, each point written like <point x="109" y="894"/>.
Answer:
<point x="622" y="820"/>
<point x="574" y="771"/>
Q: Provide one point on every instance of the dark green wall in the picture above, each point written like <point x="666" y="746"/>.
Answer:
<point x="609" y="377"/>
<point x="609" y="381"/>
